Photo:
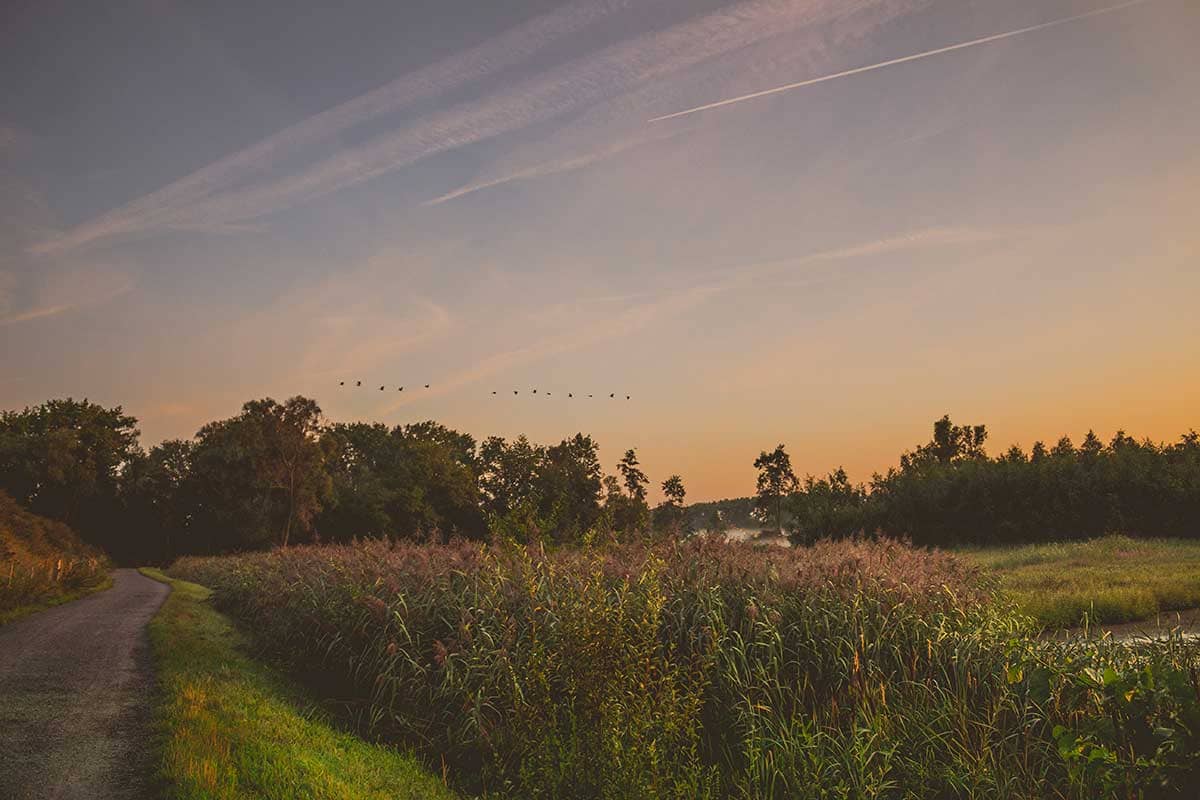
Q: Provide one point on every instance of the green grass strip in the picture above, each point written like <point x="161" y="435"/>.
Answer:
<point x="1109" y="580"/>
<point x="233" y="728"/>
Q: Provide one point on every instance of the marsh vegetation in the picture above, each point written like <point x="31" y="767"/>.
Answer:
<point x="710" y="669"/>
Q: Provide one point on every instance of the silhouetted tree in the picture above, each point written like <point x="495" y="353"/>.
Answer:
<point x="775" y="482"/>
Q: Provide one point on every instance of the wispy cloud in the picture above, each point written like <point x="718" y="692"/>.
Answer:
<point x="221" y="194"/>
<point x="896" y="61"/>
<point x="558" y="166"/>
<point x="505" y="50"/>
<point x="66" y="292"/>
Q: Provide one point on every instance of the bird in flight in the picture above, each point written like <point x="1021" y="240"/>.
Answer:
<point x="515" y="391"/>
<point x="358" y="383"/>
<point x="341" y="383"/>
<point x="570" y="395"/>
<point x="381" y="388"/>
<point x="614" y="394"/>
<point x="427" y="386"/>
<point x="493" y="392"/>
<point x="400" y="389"/>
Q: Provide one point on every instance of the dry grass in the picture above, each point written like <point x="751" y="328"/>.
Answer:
<point x="42" y="563"/>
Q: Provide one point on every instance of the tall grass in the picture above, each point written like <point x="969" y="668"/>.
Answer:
<point x="710" y="669"/>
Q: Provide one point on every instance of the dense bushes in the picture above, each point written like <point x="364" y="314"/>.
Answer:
<point x="1126" y="486"/>
<point x="706" y="669"/>
<point x="41" y="560"/>
<point x="950" y="492"/>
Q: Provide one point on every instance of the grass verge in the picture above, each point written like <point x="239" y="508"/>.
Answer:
<point x="234" y="729"/>
<point x="8" y="615"/>
<point x="1110" y="580"/>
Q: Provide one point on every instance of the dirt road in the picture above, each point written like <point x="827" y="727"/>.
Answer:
<point x="76" y="688"/>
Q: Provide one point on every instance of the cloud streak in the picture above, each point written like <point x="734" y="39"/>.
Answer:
<point x="893" y="62"/>
<point x="505" y="50"/>
<point x="73" y="291"/>
<point x="558" y="166"/>
<point x="589" y="79"/>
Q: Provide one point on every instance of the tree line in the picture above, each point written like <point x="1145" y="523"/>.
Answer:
<point x="278" y="473"/>
<point x="949" y="491"/>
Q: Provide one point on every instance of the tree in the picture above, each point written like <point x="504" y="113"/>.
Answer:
<point x="632" y="476"/>
<point x="409" y="481"/>
<point x="261" y="475"/>
<point x="776" y="481"/>
<point x="950" y="444"/>
<point x="568" y="487"/>
<point x="670" y="516"/>
<point x="830" y="507"/>
<point x="158" y="501"/>
<point x="63" y="459"/>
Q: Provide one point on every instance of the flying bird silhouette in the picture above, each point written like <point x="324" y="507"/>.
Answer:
<point x="358" y="383"/>
<point x="400" y="389"/>
<point x="570" y="395"/>
<point x="427" y="386"/>
<point x="515" y="391"/>
<point x="626" y="397"/>
<point x="341" y="383"/>
<point x="614" y="394"/>
<point x="381" y="388"/>
<point x="493" y="392"/>
<point x="535" y="391"/>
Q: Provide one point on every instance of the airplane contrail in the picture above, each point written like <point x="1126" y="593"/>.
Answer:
<point x="892" y="62"/>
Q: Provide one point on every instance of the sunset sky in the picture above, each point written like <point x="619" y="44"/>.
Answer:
<point x="207" y="202"/>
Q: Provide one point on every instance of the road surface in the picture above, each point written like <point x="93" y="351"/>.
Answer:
<point x="76" y="689"/>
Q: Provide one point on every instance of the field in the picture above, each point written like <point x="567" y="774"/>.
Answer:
<point x="719" y="670"/>
<point x="234" y="729"/>
<point x="42" y="563"/>
<point x="1111" y="580"/>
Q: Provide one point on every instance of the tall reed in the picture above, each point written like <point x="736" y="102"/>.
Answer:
<point x="706" y="669"/>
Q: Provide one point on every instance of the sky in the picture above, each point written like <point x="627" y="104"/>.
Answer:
<point x="204" y="203"/>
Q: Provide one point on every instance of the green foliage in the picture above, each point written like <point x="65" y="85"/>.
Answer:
<point x="63" y="460"/>
<point x="412" y="480"/>
<point x="1131" y="487"/>
<point x="1114" y="579"/>
<point x="532" y="493"/>
<point x="261" y="474"/>
<point x="232" y="729"/>
<point x="42" y="562"/>
<point x="949" y="492"/>
<point x="829" y="507"/>
<point x="847" y="669"/>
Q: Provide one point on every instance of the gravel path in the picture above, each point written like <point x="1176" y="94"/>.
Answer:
<point x="76" y="686"/>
